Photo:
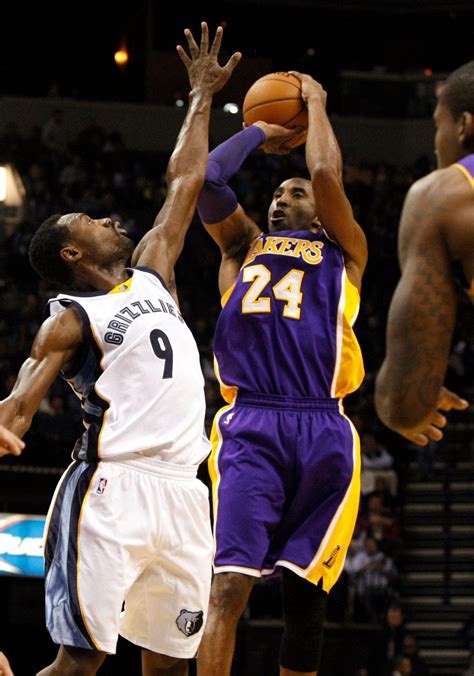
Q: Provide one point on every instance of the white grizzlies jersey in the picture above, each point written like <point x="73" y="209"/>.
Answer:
<point x="138" y="374"/>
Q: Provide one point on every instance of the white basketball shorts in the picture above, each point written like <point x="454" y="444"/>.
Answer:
<point x="128" y="549"/>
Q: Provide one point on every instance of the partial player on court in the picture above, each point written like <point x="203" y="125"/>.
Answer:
<point x="285" y="465"/>
<point x="436" y="249"/>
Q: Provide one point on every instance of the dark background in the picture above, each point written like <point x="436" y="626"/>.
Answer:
<point x="68" y="49"/>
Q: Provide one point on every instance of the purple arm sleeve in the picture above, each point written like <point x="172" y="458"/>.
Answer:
<point x="216" y="200"/>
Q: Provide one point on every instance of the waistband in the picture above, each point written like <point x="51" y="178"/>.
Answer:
<point x="282" y="402"/>
<point x="149" y="465"/>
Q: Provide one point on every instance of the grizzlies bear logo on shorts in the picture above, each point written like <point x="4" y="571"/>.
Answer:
<point x="190" y="622"/>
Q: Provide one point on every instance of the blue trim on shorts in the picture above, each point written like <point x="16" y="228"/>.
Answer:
<point x="63" y="611"/>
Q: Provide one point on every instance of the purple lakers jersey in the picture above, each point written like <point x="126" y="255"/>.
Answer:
<point x="286" y="324"/>
<point x="466" y="166"/>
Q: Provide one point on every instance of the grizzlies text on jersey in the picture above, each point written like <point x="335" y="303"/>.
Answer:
<point x="138" y="374"/>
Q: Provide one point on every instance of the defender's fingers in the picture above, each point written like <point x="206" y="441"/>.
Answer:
<point x="216" y="44"/>
<point x="232" y="62"/>
<point x="204" y="38"/>
<point x="183" y="56"/>
<point x="193" y="48"/>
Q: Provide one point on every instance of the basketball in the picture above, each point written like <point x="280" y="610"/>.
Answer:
<point x="276" y="99"/>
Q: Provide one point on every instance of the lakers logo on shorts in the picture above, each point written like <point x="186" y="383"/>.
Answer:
<point x="331" y="560"/>
<point x="190" y="622"/>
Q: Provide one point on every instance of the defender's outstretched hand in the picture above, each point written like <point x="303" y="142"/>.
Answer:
<point x="203" y="68"/>
<point x="10" y="444"/>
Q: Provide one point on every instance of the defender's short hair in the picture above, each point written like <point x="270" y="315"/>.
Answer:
<point x="45" y="252"/>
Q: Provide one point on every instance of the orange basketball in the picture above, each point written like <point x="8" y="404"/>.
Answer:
<point x="276" y="99"/>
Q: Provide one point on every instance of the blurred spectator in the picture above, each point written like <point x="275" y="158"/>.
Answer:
<point x="374" y="454"/>
<point x="91" y="140"/>
<point x="114" y="142"/>
<point x="394" y="632"/>
<point x="11" y="143"/>
<point x="402" y="666"/>
<point x="54" y="133"/>
<point x="376" y="461"/>
<point x="382" y="526"/>
<point x="381" y="490"/>
<point x="390" y="643"/>
<point x="467" y="633"/>
<point x="410" y="649"/>
<point x="373" y="575"/>
<point x="470" y="668"/>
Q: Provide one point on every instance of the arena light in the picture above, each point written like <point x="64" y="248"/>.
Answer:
<point x="3" y="183"/>
<point x="231" y="108"/>
<point x="121" y="55"/>
<point x="12" y="199"/>
<point x="12" y="190"/>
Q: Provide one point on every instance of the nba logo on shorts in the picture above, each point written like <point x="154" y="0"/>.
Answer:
<point x="101" y="486"/>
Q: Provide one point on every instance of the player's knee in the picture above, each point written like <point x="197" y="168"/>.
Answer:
<point x="156" y="661"/>
<point x="304" y="608"/>
<point x="75" y="661"/>
<point x="230" y="593"/>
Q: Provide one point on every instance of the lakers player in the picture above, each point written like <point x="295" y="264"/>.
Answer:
<point x="436" y="235"/>
<point x="129" y="520"/>
<point x="285" y="465"/>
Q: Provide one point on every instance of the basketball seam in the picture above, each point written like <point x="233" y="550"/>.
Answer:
<point x="292" y="118"/>
<point x="275" y="79"/>
<point x="266" y="103"/>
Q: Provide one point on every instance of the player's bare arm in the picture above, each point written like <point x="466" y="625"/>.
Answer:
<point x="161" y="247"/>
<point x="409" y="389"/>
<point x="53" y="350"/>
<point x="233" y="235"/>
<point x="323" y="158"/>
